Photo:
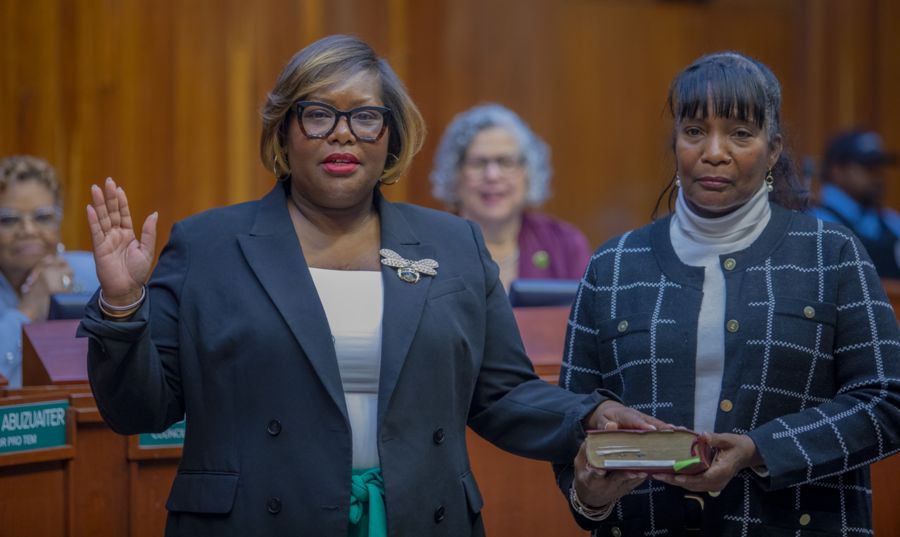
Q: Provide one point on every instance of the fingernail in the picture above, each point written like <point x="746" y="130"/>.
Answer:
<point x="109" y="179"/>
<point x="653" y="427"/>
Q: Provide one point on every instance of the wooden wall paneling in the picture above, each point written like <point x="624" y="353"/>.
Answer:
<point x="851" y="45"/>
<point x="279" y="32"/>
<point x="165" y="96"/>
<point x="840" y="55"/>
<point x="240" y="117"/>
<point x="200" y="138"/>
<point x="591" y="79"/>
<point x="807" y="131"/>
<point x="637" y="51"/>
<point x="887" y="88"/>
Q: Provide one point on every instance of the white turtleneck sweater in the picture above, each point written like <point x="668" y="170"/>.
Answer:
<point x="699" y="242"/>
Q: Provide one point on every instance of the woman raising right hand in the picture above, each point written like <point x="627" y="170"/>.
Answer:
<point x="327" y="347"/>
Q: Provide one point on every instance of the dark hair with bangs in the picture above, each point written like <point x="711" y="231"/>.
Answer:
<point x="737" y="87"/>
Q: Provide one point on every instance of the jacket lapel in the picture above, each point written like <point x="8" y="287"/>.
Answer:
<point x="403" y="302"/>
<point x="274" y="254"/>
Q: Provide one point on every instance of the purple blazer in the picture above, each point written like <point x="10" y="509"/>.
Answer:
<point x="551" y="248"/>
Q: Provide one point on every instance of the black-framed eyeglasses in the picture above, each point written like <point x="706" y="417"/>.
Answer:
<point x="43" y="217"/>
<point x="318" y="120"/>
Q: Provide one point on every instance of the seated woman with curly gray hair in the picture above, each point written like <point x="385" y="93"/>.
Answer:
<point x="491" y="168"/>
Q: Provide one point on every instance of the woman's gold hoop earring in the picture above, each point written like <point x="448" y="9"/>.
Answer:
<point x="394" y="182"/>
<point x="770" y="181"/>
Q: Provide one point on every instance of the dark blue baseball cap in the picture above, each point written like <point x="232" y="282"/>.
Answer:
<point x="862" y="147"/>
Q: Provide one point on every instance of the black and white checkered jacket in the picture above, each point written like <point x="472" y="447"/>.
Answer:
<point x="812" y="372"/>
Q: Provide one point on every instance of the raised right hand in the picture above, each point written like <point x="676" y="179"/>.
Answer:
<point x="123" y="262"/>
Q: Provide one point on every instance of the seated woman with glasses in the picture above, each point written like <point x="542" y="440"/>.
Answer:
<point x="491" y="168"/>
<point x="33" y="265"/>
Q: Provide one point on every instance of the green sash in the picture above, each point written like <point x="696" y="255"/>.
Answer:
<point x="367" y="514"/>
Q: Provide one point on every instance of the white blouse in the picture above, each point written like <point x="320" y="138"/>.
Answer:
<point x="353" y="301"/>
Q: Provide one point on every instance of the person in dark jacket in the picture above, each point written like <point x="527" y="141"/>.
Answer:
<point x="326" y="347"/>
<point x="852" y="194"/>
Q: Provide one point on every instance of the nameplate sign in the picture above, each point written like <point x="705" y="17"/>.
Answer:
<point x="171" y="437"/>
<point x="33" y="426"/>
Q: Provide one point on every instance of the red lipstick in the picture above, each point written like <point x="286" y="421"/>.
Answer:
<point x="340" y="163"/>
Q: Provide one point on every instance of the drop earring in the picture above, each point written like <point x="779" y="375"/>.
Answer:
<point x="770" y="181"/>
<point x="677" y="181"/>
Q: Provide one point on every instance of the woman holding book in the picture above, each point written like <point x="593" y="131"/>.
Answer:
<point x="762" y="327"/>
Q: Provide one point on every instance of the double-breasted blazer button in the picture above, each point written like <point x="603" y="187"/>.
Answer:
<point x="729" y="263"/>
<point x="615" y="532"/>
<point x="438" y="436"/>
<point x="439" y="515"/>
<point x="733" y="326"/>
<point x="622" y="326"/>
<point x="805" y="519"/>
<point x="273" y="505"/>
<point x="809" y="312"/>
<point x="726" y="405"/>
<point x="274" y="428"/>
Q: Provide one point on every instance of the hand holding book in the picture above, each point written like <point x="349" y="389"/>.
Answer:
<point x="608" y="467"/>
<point x="734" y="452"/>
<point x="594" y="486"/>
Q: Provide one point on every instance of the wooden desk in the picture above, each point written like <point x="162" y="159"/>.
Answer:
<point x="34" y="498"/>
<point x="101" y="484"/>
<point x="51" y="354"/>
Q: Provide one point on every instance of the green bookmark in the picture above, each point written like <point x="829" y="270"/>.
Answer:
<point x="681" y="465"/>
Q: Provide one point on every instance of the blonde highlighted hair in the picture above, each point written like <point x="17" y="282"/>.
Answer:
<point x="324" y="63"/>
<point x="21" y="168"/>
